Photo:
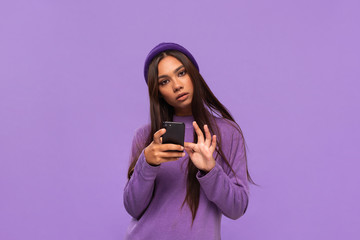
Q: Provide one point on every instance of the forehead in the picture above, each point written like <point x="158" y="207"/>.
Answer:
<point x="167" y="65"/>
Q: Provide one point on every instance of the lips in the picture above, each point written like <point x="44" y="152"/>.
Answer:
<point x="181" y="95"/>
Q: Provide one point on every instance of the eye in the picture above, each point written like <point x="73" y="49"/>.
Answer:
<point x="182" y="73"/>
<point x="163" y="82"/>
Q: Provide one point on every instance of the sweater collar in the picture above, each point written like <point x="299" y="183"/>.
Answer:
<point x="185" y="119"/>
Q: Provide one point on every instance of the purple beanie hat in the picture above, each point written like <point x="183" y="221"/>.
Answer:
<point x="163" y="47"/>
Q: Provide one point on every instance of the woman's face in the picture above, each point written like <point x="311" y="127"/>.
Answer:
<point x="175" y="85"/>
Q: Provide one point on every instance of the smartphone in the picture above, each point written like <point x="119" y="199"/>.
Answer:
<point x="175" y="133"/>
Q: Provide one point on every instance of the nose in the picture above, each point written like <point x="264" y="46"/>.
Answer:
<point x="177" y="84"/>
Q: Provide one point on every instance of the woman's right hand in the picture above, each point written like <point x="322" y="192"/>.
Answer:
<point x="156" y="153"/>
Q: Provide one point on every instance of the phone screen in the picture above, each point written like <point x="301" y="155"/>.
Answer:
<point x="175" y="133"/>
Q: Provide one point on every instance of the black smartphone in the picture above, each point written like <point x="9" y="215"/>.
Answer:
<point x="175" y="133"/>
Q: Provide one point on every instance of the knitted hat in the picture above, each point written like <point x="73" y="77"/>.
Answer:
<point x="163" y="47"/>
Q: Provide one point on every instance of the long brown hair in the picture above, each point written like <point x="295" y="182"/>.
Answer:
<point x="205" y="106"/>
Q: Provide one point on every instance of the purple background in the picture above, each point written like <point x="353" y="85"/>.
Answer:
<point x="72" y="94"/>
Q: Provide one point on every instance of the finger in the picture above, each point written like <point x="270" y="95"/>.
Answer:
<point x="207" y="135"/>
<point x="189" y="151"/>
<point x="171" y="154"/>
<point x="198" y="132"/>
<point x="213" y="144"/>
<point x="158" y="134"/>
<point x="189" y="145"/>
<point x="170" y="146"/>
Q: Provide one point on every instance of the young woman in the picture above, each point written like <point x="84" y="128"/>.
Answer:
<point x="182" y="195"/>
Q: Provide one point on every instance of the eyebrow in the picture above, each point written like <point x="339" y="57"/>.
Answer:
<point x="177" y="69"/>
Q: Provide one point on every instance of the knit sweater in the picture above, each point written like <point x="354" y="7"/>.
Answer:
<point x="154" y="194"/>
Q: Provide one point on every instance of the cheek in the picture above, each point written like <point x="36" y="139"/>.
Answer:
<point x="190" y="85"/>
<point x="164" y="92"/>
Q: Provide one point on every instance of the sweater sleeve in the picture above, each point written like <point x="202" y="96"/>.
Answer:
<point x="227" y="191"/>
<point x="139" y="189"/>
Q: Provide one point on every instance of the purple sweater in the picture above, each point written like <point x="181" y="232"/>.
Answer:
<point x="154" y="194"/>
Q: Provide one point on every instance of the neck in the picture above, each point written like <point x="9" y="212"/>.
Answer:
<point x="183" y="112"/>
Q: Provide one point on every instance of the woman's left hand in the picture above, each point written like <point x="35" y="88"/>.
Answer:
<point x="201" y="153"/>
